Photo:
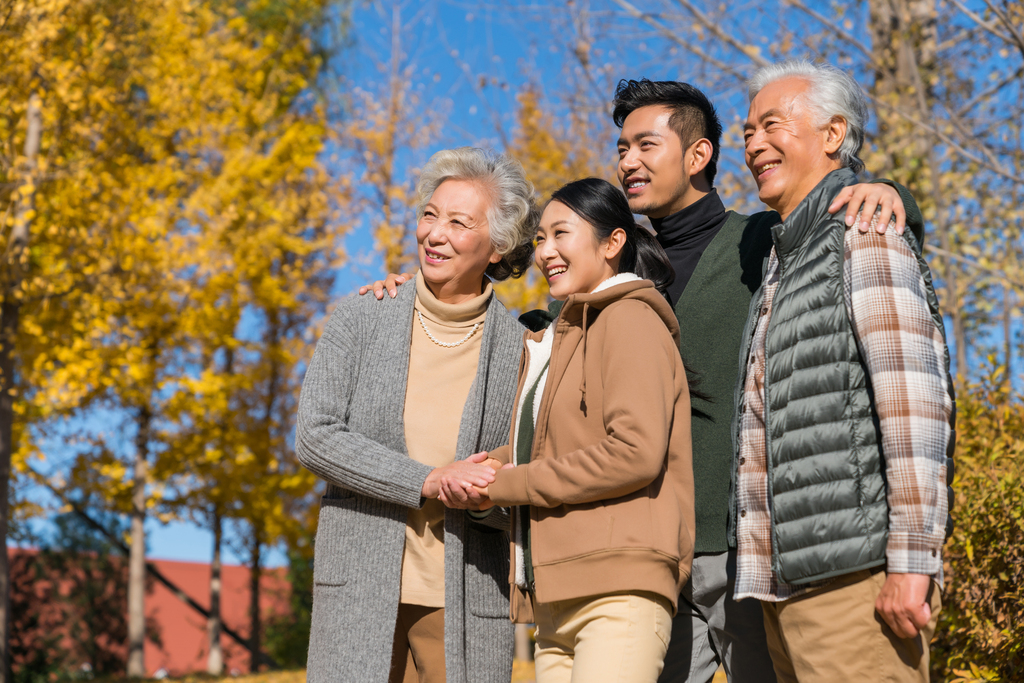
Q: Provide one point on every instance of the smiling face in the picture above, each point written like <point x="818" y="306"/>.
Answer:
<point x="455" y="242"/>
<point x="786" y="151"/>
<point x="569" y="254"/>
<point x="654" y="169"/>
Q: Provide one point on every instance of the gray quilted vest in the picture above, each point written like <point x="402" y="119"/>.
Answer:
<point x="826" y="471"/>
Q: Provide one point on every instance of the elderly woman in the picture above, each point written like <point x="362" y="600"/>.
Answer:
<point x="399" y="394"/>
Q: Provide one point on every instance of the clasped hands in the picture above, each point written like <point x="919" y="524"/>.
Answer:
<point x="462" y="485"/>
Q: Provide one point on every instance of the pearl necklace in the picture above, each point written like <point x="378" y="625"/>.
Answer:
<point x="446" y="344"/>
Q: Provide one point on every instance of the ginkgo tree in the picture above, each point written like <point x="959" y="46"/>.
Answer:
<point x="178" y="155"/>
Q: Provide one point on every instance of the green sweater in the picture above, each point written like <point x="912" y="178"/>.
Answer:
<point x="712" y="312"/>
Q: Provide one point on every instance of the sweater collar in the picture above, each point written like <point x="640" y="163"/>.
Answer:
<point x="690" y="223"/>
<point x="451" y="313"/>
<point x="790" y="234"/>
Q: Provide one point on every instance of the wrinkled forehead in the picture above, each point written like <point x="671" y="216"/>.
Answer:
<point x="786" y="97"/>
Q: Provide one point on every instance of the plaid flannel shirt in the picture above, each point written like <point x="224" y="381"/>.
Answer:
<point x="904" y="353"/>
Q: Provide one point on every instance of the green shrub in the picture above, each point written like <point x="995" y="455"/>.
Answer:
<point x="287" y="636"/>
<point x="980" y="636"/>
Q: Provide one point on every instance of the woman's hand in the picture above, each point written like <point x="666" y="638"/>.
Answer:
<point x="480" y="496"/>
<point x="455" y="494"/>
<point x="865" y="199"/>
<point x="390" y="283"/>
<point x="459" y="498"/>
<point x="463" y="474"/>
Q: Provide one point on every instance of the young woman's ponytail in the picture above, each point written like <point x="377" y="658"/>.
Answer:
<point x="603" y="205"/>
<point x="649" y="260"/>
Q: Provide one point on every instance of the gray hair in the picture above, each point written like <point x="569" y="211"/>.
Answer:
<point x="832" y="92"/>
<point x="512" y="215"/>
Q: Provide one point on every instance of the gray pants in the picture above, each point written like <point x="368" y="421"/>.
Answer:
<point x="711" y="628"/>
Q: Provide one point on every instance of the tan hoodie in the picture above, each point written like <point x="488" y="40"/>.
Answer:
<point x="610" y="481"/>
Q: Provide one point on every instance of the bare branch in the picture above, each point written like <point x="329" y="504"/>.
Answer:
<point x="833" y="27"/>
<point x="706" y="22"/>
<point x="1004" y="19"/>
<point x="995" y="168"/>
<point x="990" y="27"/>
<point x="999" y="275"/>
<point x="985" y="94"/>
<point x="671" y="35"/>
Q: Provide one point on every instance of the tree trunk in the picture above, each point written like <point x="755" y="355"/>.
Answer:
<point x="254" y="603"/>
<point x="215" y="662"/>
<point x="904" y="50"/>
<point x="10" y="312"/>
<point x="1008" y="331"/>
<point x="137" y="557"/>
<point x="904" y="44"/>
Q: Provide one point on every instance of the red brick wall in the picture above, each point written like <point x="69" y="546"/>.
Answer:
<point x="179" y="643"/>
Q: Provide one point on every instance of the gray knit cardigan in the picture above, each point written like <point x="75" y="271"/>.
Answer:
<point x="350" y="432"/>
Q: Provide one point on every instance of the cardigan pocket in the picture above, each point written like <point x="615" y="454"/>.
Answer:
<point x="486" y="561"/>
<point x="335" y="540"/>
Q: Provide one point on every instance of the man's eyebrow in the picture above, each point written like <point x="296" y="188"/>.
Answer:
<point x="762" y="117"/>
<point x="641" y="135"/>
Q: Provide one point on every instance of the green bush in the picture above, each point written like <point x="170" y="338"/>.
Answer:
<point x="980" y="636"/>
<point x="287" y="636"/>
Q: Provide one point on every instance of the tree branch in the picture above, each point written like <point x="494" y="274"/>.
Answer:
<point x="964" y="110"/>
<point x="40" y="478"/>
<point x="670" y="35"/>
<point x="999" y="275"/>
<point x="706" y="22"/>
<point x="833" y="27"/>
<point x="981" y="22"/>
<point x="949" y="141"/>
<point x="1004" y="19"/>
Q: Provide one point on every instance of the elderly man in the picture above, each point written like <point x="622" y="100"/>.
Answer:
<point x="845" y="406"/>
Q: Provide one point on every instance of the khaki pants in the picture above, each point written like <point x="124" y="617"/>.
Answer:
<point x="834" y="634"/>
<point x="418" y="652"/>
<point x="617" y="638"/>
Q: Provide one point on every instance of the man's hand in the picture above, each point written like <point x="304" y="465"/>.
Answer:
<point x="903" y="603"/>
<point x="463" y="474"/>
<point x="390" y="283"/>
<point x="864" y="199"/>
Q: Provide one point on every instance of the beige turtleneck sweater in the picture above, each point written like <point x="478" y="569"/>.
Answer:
<point x="439" y="382"/>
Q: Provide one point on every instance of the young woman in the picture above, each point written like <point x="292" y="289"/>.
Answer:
<point x="599" y="456"/>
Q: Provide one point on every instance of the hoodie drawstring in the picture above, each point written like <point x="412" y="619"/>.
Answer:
<point x="583" y="381"/>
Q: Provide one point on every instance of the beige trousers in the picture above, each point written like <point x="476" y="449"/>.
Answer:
<point x="417" y="655"/>
<point x="616" y="638"/>
<point x="834" y="634"/>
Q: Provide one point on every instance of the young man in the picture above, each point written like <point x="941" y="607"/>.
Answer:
<point x="844" y="431"/>
<point x="668" y="154"/>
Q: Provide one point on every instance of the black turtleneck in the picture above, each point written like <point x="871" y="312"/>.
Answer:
<point x="685" y="235"/>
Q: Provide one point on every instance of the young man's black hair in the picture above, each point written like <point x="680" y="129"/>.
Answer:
<point x="693" y="115"/>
